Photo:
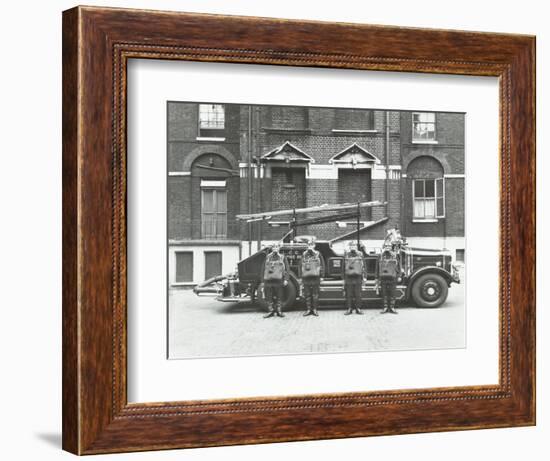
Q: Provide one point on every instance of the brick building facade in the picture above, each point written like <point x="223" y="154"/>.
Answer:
<point x="229" y="159"/>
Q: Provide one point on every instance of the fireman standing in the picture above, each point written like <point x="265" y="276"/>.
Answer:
<point x="275" y="278"/>
<point x="388" y="272"/>
<point x="312" y="270"/>
<point x="354" y="274"/>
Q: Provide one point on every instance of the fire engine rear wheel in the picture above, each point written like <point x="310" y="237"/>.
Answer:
<point x="429" y="290"/>
<point x="289" y="296"/>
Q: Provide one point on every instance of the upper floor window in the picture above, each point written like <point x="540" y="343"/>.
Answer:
<point x="423" y="126"/>
<point x="211" y="120"/>
<point x="428" y="198"/>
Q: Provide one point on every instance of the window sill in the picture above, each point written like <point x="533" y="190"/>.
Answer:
<point x="425" y="220"/>
<point x="424" y="141"/>
<point x="210" y="138"/>
<point x="272" y="129"/>
<point x="352" y="132"/>
<point x="183" y="284"/>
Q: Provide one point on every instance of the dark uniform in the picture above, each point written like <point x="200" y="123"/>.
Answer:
<point x="354" y="272"/>
<point x="388" y="272"/>
<point x="312" y="270"/>
<point x="275" y="277"/>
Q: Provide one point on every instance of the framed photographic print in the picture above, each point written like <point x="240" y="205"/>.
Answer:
<point x="286" y="230"/>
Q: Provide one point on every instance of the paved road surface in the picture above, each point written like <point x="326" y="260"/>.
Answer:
<point x="204" y="327"/>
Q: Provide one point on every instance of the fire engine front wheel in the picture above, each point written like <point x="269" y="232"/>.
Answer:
<point x="289" y="296"/>
<point x="429" y="290"/>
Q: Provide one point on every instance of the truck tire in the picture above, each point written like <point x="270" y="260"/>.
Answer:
<point x="429" y="290"/>
<point x="289" y="300"/>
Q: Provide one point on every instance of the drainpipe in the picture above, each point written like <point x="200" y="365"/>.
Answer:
<point x="387" y="191"/>
<point x="249" y="177"/>
<point x="403" y="182"/>
<point x="258" y="180"/>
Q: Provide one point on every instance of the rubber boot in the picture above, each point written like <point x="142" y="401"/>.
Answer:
<point x="271" y="312"/>
<point x="349" y="311"/>
<point x="315" y="304"/>
<point x="279" y="309"/>
<point x="308" y="307"/>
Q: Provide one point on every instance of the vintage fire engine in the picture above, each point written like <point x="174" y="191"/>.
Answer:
<point x="425" y="274"/>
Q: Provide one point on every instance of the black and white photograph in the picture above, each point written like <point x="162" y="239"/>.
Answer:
<point x="307" y="230"/>
<point x="275" y="230"/>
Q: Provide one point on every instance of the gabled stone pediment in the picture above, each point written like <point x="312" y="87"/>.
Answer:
<point x="354" y="155"/>
<point x="287" y="152"/>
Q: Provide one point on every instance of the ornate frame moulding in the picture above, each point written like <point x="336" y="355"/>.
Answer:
<point x="97" y="44"/>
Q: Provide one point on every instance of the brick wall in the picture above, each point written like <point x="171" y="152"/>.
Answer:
<point x="451" y="158"/>
<point x="454" y="207"/>
<point x="183" y="121"/>
<point x="283" y="117"/>
<point x="311" y="130"/>
<point x="243" y="208"/>
<point x="355" y="186"/>
<point x="378" y="193"/>
<point x="449" y="127"/>
<point x="183" y="131"/>
<point x="289" y="189"/>
<point x="179" y="207"/>
<point x="393" y="210"/>
<point x="416" y="158"/>
<point x="450" y="226"/>
<point x="233" y="199"/>
<point x="353" y="119"/>
<point x="395" y="150"/>
<point x="424" y="167"/>
<point x="195" y="195"/>
<point x="318" y="192"/>
<point x="395" y="121"/>
<point x="450" y="142"/>
<point x="321" y="120"/>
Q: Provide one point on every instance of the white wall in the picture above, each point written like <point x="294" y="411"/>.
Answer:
<point x="30" y="191"/>
<point x="230" y="258"/>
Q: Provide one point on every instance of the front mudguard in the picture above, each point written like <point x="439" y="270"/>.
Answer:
<point x="427" y="270"/>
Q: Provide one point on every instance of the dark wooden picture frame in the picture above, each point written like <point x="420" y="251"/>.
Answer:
<point x="97" y="43"/>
